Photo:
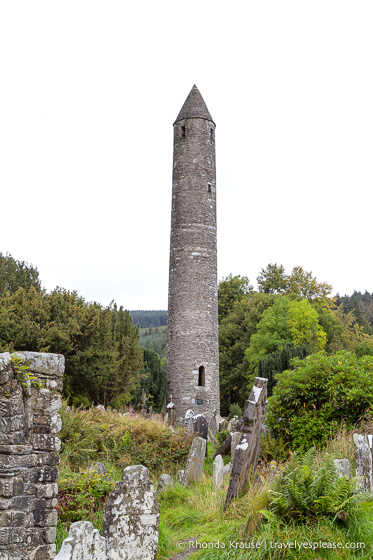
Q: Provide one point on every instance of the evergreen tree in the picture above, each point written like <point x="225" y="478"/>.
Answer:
<point x="277" y="362"/>
<point x="17" y="274"/>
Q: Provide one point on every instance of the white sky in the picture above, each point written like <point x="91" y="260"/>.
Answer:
<point x="89" y="92"/>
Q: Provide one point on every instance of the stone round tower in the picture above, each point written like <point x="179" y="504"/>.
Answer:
<point x="192" y="331"/>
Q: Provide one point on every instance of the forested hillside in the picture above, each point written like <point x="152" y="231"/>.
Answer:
<point x="149" y="318"/>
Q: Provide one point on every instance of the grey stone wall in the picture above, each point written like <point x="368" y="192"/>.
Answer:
<point x="192" y="332"/>
<point x="29" y="422"/>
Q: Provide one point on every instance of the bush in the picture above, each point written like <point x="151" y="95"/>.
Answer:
<point x="319" y="394"/>
<point x="306" y="490"/>
<point x="234" y="410"/>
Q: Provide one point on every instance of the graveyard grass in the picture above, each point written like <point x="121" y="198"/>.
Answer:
<point x="197" y="512"/>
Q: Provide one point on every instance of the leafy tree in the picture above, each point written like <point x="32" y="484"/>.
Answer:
<point x="272" y="279"/>
<point x="318" y="394"/>
<point x="351" y="335"/>
<point x="286" y="321"/>
<point x="231" y="289"/>
<point x="17" y="274"/>
<point x="304" y="285"/>
<point x="235" y="332"/>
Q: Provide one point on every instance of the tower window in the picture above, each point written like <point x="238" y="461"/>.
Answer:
<point x="211" y="133"/>
<point x="183" y="131"/>
<point x="201" y="376"/>
<point x="209" y="187"/>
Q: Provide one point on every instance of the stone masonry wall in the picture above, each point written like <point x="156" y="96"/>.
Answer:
<point x="192" y="331"/>
<point x="29" y="421"/>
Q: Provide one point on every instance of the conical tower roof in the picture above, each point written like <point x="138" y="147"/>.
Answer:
<point x="194" y="107"/>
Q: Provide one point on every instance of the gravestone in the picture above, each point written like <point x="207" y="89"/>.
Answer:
<point x="342" y="467"/>
<point x="164" y="481"/>
<point x="234" y="423"/>
<point x="83" y="543"/>
<point x="223" y="425"/>
<point x="364" y="467"/>
<point x="171" y="414"/>
<point x="247" y="451"/>
<point x="236" y="436"/>
<point x="180" y="477"/>
<point x="98" y="468"/>
<point x="227" y="469"/>
<point x="190" y="428"/>
<point x="213" y="426"/>
<point x="194" y="464"/>
<point x="217" y="471"/>
<point x="131" y="517"/>
<point x="200" y="426"/>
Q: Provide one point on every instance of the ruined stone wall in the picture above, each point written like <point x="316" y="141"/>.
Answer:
<point x="29" y="421"/>
<point x="192" y="331"/>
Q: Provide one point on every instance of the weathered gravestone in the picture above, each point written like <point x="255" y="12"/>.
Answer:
<point x="236" y="436"/>
<point x="223" y="425"/>
<point x="83" y="543"/>
<point x="190" y="427"/>
<point x="131" y="517"/>
<point x="171" y="414"/>
<point x="194" y="464"/>
<point x="164" y="481"/>
<point x="247" y="451"/>
<point x="218" y="471"/>
<point x="214" y="422"/>
<point x="200" y="426"/>
<point x="29" y="421"/>
<point x="97" y="468"/>
<point x="364" y="464"/>
<point x="342" y="467"/>
<point x="130" y="528"/>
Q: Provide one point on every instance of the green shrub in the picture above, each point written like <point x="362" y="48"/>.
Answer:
<point x="307" y="490"/>
<point x="234" y="410"/>
<point x="222" y="436"/>
<point x="319" y="394"/>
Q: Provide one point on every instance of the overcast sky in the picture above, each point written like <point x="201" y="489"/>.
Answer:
<point x="88" y="95"/>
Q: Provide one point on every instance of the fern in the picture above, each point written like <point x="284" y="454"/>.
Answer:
<point x="307" y="490"/>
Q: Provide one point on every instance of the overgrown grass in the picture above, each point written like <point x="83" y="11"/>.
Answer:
<point x="110" y="437"/>
<point x="198" y="511"/>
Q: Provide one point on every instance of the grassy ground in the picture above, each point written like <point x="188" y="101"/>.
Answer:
<point x="247" y="529"/>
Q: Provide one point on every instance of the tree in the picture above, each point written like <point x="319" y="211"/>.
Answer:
<point x="154" y="380"/>
<point x="102" y="355"/>
<point x="17" y="274"/>
<point x="286" y="321"/>
<point x="235" y="331"/>
<point x="272" y="279"/>
<point x="300" y="283"/>
<point x="277" y="362"/>
<point x="231" y="289"/>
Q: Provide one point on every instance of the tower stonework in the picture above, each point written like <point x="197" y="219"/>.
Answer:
<point x="192" y="331"/>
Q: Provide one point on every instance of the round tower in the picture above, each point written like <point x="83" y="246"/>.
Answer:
<point x="192" y="332"/>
